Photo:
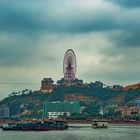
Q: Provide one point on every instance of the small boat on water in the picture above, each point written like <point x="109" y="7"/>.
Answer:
<point x="37" y="126"/>
<point x="13" y="127"/>
<point x="99" y="124"/>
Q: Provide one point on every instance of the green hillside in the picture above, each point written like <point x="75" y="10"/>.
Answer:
<point x="18" y="102"/>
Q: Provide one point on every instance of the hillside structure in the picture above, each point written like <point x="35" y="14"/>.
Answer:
<point x="47" y="85"/>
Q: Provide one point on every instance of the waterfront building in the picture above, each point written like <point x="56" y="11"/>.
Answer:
<point x="129" y="111"/>
<point x="47" y="85"/>
<point x="4" y="112"/>
<point x="53" y="110"/>
<point x="55" y="115"/>
<point x="137" y="101"/>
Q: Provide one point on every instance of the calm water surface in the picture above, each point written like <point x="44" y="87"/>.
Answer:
<point x="78" y="132"/>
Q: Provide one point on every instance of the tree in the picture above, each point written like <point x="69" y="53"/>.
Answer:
<point x="92" y="110"/>
<point x="118" y="87"/>
<point x="112" y="113"/>
<point x="97" y="84"/>
<point x="14" y="93"/>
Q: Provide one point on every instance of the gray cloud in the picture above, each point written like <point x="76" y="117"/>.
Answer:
<point x="118" y="65"/>
<point x="126" y="3"/>
<point x="66" y="16"/>
<point x="47" y="16"/>
<point x="34" y="36"/>
<point x="126" y="39"/>
<point x="21" y="50"/>
<point x="16" y="49"/>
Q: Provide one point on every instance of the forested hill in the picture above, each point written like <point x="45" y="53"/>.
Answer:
<point x="103" y="95"/>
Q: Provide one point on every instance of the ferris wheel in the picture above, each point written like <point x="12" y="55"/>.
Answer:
<point x="69" y="65"/>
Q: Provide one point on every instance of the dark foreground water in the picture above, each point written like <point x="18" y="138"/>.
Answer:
<point x="82" y="132"/>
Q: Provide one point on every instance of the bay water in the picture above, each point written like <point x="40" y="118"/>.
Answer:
<point x="77" y="132"/>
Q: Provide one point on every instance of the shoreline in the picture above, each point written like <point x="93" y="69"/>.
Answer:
<point x="110" y="123"/>
<point x="136" y="123"/>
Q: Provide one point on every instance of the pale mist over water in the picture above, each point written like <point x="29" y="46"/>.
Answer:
<point x="77" y="133"/>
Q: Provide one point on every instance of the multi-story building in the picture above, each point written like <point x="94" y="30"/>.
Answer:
<point x="47" y="85"/>
<point x="129" y="111"/>
<point x="4" y="112"/>
<point x="55" y="115"/>
<point x="53" y="110"/>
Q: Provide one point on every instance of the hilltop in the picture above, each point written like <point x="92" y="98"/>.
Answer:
<point x="134" y="86"/>
<point x="31" y="103"/>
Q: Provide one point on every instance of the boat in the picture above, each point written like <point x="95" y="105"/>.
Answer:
<point x="36" y="126"/>
<point x="99" y="124"/>
<point x="12" y="127"/>
<point x="45" y="126"/>
<point x="29" y="126"/>
<point x="61" y="125"/>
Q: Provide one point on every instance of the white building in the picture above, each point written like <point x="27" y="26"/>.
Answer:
<point x="55" y="115"/>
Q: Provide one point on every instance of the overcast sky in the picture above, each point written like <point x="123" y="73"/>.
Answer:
<point x="35" y="34"/>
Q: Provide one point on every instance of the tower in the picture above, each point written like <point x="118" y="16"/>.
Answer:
<point x="47" y="85"/>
